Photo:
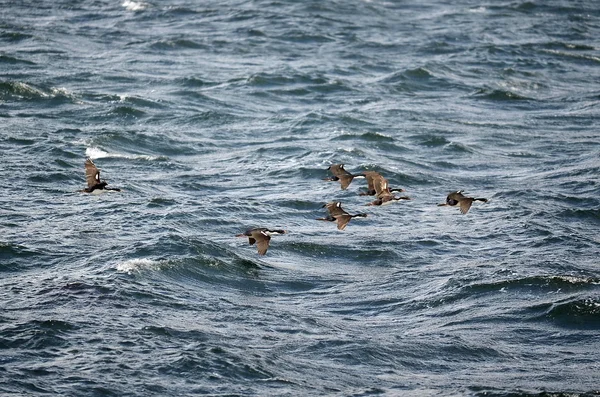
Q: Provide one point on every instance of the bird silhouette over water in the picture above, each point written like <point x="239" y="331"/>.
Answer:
<point x="261" y="236"/>
<point x="94" y="184"/>
<point x="337" y="214"/>
<point x="340" y="174"/>
<point x="458" y="199"/>
<point x="383" y="191"/>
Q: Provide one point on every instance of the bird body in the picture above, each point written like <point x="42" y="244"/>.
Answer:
<point x="371" y="177"/>
<point x="337" y="214"/>
<point x="94" y="184"/>
<point x="459" y="199"/>
<point x="260" y="236"/>
<point x="340" y="174"/>
<point x="383" y="191"/>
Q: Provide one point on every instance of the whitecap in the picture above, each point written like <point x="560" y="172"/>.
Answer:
<point x="137" y="265"/>
<point x="97" y="153"/>
<point x="134" y="5"/>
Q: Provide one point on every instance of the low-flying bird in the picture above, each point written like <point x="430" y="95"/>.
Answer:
<point x="340" y="174"/>
<point x="261" y="236"/>
<point x="337" y="214"/>
<point x="463" y="202"/>
<point x="371" y="176"/>
<point x="383" y="191"/>
<point x="94" y="184"/>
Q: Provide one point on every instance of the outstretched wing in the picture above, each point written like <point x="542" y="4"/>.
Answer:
<point x="345" y="181"/>
<point x="371" y="175"/>
<point x="92" y="174"/>
<point x="342" y="221"/>
<point x="465" y="204"/>
<point x="262" y="243"/>
<point x="381" y="186"/>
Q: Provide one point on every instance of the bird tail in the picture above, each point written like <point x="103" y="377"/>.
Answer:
<point x="481" y="199"/>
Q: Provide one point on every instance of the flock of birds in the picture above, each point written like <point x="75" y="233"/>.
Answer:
<point x="377" y="186"/>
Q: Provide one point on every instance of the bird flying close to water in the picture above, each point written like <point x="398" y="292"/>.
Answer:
<point x="383" y="191"/>
<point x="92" y="176"/>
<point x="371" y="191"/>
<point x="337" y="214"/>
<point x="340" y="174"/>
<point x="261" y="236"/>
<point x="458" y="199"/>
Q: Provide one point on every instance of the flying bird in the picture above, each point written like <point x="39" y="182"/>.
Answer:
<point x="340" y="174"/>
<point x="261" y="236"/>
<point x="337" y="214"/>
<point x="371" y="191"/>
<point x="383" y="191"/>
<point x="463" y="202"/>
<point x="92" y="176"/>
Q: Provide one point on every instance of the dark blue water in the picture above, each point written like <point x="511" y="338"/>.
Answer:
<point x="213" y="117"/>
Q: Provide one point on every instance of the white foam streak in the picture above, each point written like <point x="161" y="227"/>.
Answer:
<point x="97" y="153"/>
<point x="134" y="5"/>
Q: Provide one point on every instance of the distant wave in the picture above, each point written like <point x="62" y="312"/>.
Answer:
<point x="134" y="5"/>
<point x="97" y="153"/>
<point x="499" y="95"/>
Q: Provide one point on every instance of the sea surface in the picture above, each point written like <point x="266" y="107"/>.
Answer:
<point x="213" y="117"/>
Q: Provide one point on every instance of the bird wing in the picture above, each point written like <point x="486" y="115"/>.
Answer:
<point x="465" y="204"/>
<point x="371" y="175"/>
<point x="381" y="186"/>
<point x="92" y="174"/>
<point x="342" y="221"/>
<point x="345" y="180"/>
<point x="262" y="242"/>
<point x="251" y="240"/>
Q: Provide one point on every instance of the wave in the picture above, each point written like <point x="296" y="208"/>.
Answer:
<point x="499" y="95"/>
<point x="131" y="5"/>
<point x="177" y="44"/>
<point x="97" y="153"/>
<point x="547" y="283"/>
<point x="576" y="313"/>
<point x="19" y="90"/>
<point x="133" y="266"/>
<point x="367" y="137"/>
<point x="14" y="36"/>
<point x="5" y="59"/>
<point x="11" y="254"/>
<point x="37" y="334"/>
<point x="415" y="80"/>
<point x="493" y="392"/>
<point x="295" y="83"/>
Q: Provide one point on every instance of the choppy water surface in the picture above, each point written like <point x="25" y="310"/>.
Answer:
<point x="218" y="116"/>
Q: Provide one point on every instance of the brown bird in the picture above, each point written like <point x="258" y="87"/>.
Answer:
<point x="371" y="175"/>
<point x="337" y="214"/>
<point x="383" y="191"/>
<point x="260" y="236"/>
<point x="341" y="175"/>
<point x="464" y="203"/>
<point x="92" y="176"/>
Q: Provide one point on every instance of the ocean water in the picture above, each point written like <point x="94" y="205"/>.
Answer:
<point x="217" y="116"/>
